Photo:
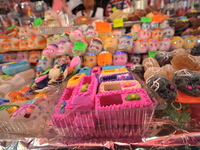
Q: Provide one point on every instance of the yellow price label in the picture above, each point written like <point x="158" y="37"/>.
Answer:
<point x="114" y="9"/>
<point x="118" y="23"/>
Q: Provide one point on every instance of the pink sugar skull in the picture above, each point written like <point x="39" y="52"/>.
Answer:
<point x="153" y="45"/>
<point x="120" y="58"/>
<point x="117" y="34"/>
<point x="126" y="42"/>
<point x="144" y="34"/>
<point x="76" y="35"/>
<point x="136" y="27"/>
<point x="96" y="46"/>
<point x="140" y="46"/>
<point x="168" y="32"/>
<point x="157" y="34"/>
<point x="64" y="48"/>
<point x="90" y="34"/>
<point x="50" y="51"/>
<point x="165" y="44"/>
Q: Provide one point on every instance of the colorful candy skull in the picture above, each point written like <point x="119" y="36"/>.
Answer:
<point x="44" y="63"/>
<point x="168" y="32"/>
<point x="136" y="58"/>
<point x="177" y="42"/>
<point x="90" y="60"/>
<point x="50" y="15"/>
<point x="189" y="41"/>
<point x="165" y="44"/>
<point x="76" y="35"/>
<point x="23" y="43"/>
<point x="164" y="24"/>
<point x="157" y="34"/>
<point x="55" y="39"/>
<point x="153" y="45"/>
<point x="144" y="34"/>
<point x="111" y="44"/>
<point x="136" y="27"/>
<point x="146" y="25"/>
<point x="140" y="46"/>
<point x="34" y="56"/>
<point x="154" y="25"/>
<point x="96" y="46"/>
<point x="83" y="27"/>
<point x="64" y="48"/>
<point x="80" y="52"/>
<point x="120" y="58"/>
<point x="126" y="42"/>
<point x="90" y="34"/>
<point x="117" y="34"/>
<point x="50" y="51"/>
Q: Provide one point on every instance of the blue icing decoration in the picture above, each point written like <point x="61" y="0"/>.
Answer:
<point x="86" y="70"/>
<point x="113" y="67"/>
<point x="62" y="107"/>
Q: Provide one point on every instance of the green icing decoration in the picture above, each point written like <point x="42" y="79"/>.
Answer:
<point x="11" y="27"/>
<point x="45" y="72"/>
<point x="84" y="87"/>
<point x="152" y="54"/>
<point x="131" y="97"/>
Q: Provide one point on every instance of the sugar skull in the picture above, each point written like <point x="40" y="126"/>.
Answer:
<point x="154" y="25"/>
<point x="95" y="46"/>
<point x="90" y="60"/>
<point x="136" y="58"/>
<point x="153" y="45"/>
<point x="189" y="41"/>
<point x="162" y="86"/>
<point x="6" y="45"/>
<point x="136" y="27"/>
<point x="23" y="43"/>
<point x="157" y="34"/>
<point x="144" y="34"/>
<point x="55" y="39"/>
<point x="146" y="25"/>
<point x="120" y="57"/>
<point x="187" y="81"/>
<point x="50" y="15"/>
<point x="177" y="42"/>
<point x="134" y="34"/>
<point x="65" y="35"/>
<point x="168" y="32"/>
<point x="80" y="52"/>
<point x="164" y="24"/>
<point x="64" y="48"/>
<point x="110" y="44"/>
<point x="21" y="55"/>
<point x="117" y="34"/>
<point x="126" y="42"/>
<point x="165" y="44"/>
<point x="50" y="51"/>
<point x="83" y="27"/>
<point x="34" y="56"/>
<point x="37" y="42"/>
<point x="163" y="58"/>
<point x="140" y="46"/>
<point x="44" y="63"/>
<point x="90" y="34"/>
<point x="104" y="58"/>
<point x="76" y="35"/>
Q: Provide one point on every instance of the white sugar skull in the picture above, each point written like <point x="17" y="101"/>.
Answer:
<point x="76" y="35"/>
<point x="90" y="34"/>
<point x="120" y="58"/>
<point x="110" y="44"/>
<point x="55" y="39"/>
<point x="83" y="27"/>
<point x="164" y="24"/>
<point x="157" y="34"/>
<point x="44" y="63"/>
<point x="165" y="44"/>
<point x="144" y="34"/>
<point x="153" y="45"/>
<point x="140" y="46"/>
<point x="64" y="48"/>
<point x="168" y="32"/>
<point x="117" y="34"/>
<point x="50" y="51"/>
<point x="154" y="25"/>
<point x="125" y="42"/>
<point x="177" y="42"/>
<point x="95" y="46"/>
<point x="146" y="25"/>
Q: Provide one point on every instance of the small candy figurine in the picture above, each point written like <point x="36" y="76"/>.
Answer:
<point x="80" y="52"/>
<point x="153" y="45"/>
<point x="164" y="24"/>
<point x="120" y="58"/>
<point x="165" y="44"/>
<point x="154" y="25"/>
<point x="136" y="58"/>
<point x="104" y="58"/>
<point x="117" y="34"/>
<point x="168" y="32"/>
<point x="50" y="51"/>
<point x="64" y="48"/>
<point x="95" y="46"/>
<point x="76" y="35"/>
<point x="126" y="42"/>
<point x="144" y="34"/>
<point x="90" y="34"/>
<point x="44" y="63"/>
<point x="136" y="27"/>
<point x="140" y="46"/>
<point x="90" y="60"/>
<point x="157" y="34"/>
<point x="110" y="44"/>
<point x="177" y="42"/>
<point x="189" y="41"/>
<point x="146" y="25"/>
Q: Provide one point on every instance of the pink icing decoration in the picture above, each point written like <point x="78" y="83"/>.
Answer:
<point x="171" y="87"/>
<point x="198" y="86"/>
<point x="189" y="87"/>
<point x="21" y="110"/>
<point x="75" y="61"/>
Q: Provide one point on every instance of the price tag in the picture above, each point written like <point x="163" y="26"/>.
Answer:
<point x="118" y="23"/>
<point x="114" y="9"/>
<point x="145" y="19"/>
<point x="104" y="59"/>
<point x="152" y="54"/>
<point x="157" y="18"/>
<point x="38" y="22"/>
<point x="79" y="46"/>
<point x="103" y="27"/>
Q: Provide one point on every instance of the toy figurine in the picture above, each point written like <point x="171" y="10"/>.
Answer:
<point x="44" y="63"/>
<point x="144" y="34"/>
<point x="95" y="46"/>
<point x="146" y="25"/>
<point x="177" y="42"/>
<point x="168" y="32"/>
<point x="90" y="34"/>
<point x="157" y="34"/>
<point x="126" y="42"/>
<point x="120" y="58"/>
<point x="117" y="34"/>
<point x="189" y="41"/>
<point x="110" y="44"/>
<point x="153" y="45"/>
<point x="76" y="35"/>
<point x="64" y="48"/>
<point x="165" y="44"/>
<point x="140" y="46"/>
<point x="90" y="60"/>
<point x="50" y="51"/>
<point x="38" y="9"/>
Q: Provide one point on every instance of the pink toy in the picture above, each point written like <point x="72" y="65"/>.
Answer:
<point x="50" y="51"/>
<point x="96" y="70"/>
<point x="140" y="46"/>
<point x="153" y="45"/>
<point x="165" y="44"/>
<point x="144" y="34"/>
<point x="64" y="48"/>
<point x="111" y="104"/>
<point x="120" y="58"/>
<point x="84" y="94"/>
<point x="126" y="43"/>
<point x="157" y="34"/>
<point x="76" y="35"/>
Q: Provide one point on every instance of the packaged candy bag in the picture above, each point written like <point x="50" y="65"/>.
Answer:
<point x="38" y="8"/>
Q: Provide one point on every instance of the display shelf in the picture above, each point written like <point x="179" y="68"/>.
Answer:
<point x="55" y="30"/>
